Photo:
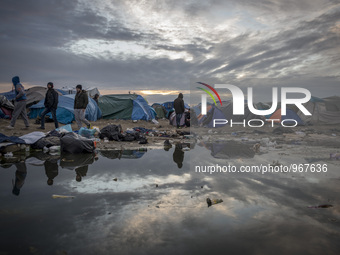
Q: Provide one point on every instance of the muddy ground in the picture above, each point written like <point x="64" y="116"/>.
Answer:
<point x="318" y="135"/>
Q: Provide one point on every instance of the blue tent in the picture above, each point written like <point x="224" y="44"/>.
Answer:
<point x="65" y="111"/>
<point x="212" y="113"/>
<point x="290" y="114"/>
<point x="10" y="95"/>
<point x="169" y="106"/>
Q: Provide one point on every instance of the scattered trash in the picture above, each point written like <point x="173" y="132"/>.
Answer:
<point x="88" y="133"/>
<point x="234" y="133"/>
<point x="334" y="156"/>
<point x="267" y="143"/>
<point x="115" y="179"/>
<point x="75" y="143"/>
<point x="333" y="134"/>
<point x="275" y="163"/>
<point x="257" y="147"/>
<point x="320" y="206"/>
<point x="300" y="133"/>
<point x="213" y="201"/>
<point x="188" y="136"/>
<point x="52" y="149"/>
<point x="210" y="131"/>
<point x="154" y="121"/>
<point x="65" y="129"/>
<point x="143" y="140"/>
<point x="8" y="155"/>
<point x="61" y="196"/>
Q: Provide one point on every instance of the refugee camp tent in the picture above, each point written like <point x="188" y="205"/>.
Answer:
<point x="91" y="91"/>
<point x="4" y="102"/>
<point x="276" y="117"/>
<point x="227" y="109"/>
<point x="172" y="119"/>
<point x="169" y="106"/>
<point x="6" y="107"/>
<point x="160" y="110"/>
<point x="324" y="111"/>
<point x="33" y="94"/>
<point x="207" y="120"/>
<point x="65" y="111"/>
<point x="125" y="106"/>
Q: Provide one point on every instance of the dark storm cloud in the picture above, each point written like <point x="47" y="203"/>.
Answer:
<point x="36" y="36"/>
<point x="287" y="48"/>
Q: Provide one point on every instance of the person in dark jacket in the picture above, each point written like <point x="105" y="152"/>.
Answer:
<point x="20" y="176"/>
<point x="179" y="108"/>
<point x="51" y="105"/>
<point x="20" y="104"/>
<point x="96" y="98"/>
<point x="51" y="170"/>
<point x="178" y="155"/>
<point x="80" y="103"/>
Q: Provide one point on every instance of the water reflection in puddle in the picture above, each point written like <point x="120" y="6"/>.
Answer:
<point x="152" y="202"/>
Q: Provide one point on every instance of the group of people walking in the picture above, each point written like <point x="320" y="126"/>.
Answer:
<point x="50" y="103"/>
<point x="80" y="104"/>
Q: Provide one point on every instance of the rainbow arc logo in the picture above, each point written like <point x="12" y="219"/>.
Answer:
<point x="209" y="93"/>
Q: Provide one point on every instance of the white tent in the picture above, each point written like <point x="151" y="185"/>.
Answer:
<point x="91" y="91"/>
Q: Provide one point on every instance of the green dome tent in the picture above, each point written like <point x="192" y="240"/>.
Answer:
<point x="125" y="106"/>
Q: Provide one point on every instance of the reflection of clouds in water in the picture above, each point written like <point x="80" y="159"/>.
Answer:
<point x="125" y="183"/>
<point x="180" y="218"/>
<point x="261" y="214"/>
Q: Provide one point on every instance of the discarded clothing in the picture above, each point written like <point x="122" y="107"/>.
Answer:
<point x="143" y="140"/>
<point x="54" y="133"/>
<point x="183" y="133"/>
<point x="47" y="141"/>
<point x="12" y="139"/>
<point x="112" y="132"/>
<point x="75" y="143"/>
<point x="32" y="137"/>
<point x="143" y="130"/>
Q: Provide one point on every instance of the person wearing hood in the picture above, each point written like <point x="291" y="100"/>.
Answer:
<point x="51" y="105"/>
<point x="80" y="103"/>
<point x="179" y="108"/>
<point x="20" y="104"/>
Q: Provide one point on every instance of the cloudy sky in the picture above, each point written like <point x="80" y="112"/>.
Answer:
<point x="163" y="46"/>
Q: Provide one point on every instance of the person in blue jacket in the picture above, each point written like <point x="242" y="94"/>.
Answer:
<point x="20" y="103"/>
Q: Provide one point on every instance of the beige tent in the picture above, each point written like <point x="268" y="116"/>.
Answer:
<point x="35" y="94"/>
<point x="324" y="111"/>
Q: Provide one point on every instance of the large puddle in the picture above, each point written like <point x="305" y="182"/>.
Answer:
<point x="153" y="202"/>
